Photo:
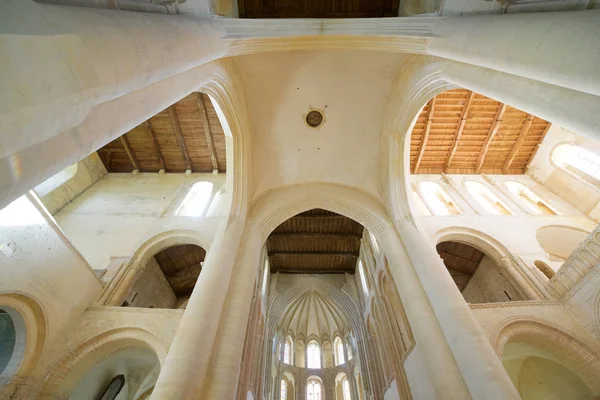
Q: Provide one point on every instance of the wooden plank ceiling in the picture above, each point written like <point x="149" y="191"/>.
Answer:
<point x="461" y="260"/>
<point x="461" y="132"/>
<point x="315" y="241"/>
<point x="181" y="265"/>
<point x="318" y="8"/>
<point x="187" y="135"/>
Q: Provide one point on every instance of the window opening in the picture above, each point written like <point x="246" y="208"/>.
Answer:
<point x="283" y="389"/>
<point x="313" y="355"/>
<point x="546" y="270"/>
<point x="346" y="389"/>
<point x="313" y="389"/>
<point x="436" y="198"/>
<point x="532" y="201"/>
<point x="488" y="200"/>
<point x="196" y="200"/>
<point x="114" y="388"/>
<point x="287" y="351"/>
<point x="339" y="351"/>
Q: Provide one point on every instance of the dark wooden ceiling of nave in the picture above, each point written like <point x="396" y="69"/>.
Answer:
<point x="315" y="241"/>
<point x="318" y="8"/>
<point x="181" y="265"/>
<point x="461" y="132"/>
<point x="461" y="260"/>
<point x="175" y="140"/>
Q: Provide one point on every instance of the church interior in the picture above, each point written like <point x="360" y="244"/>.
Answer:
<point x="299" y="199"/>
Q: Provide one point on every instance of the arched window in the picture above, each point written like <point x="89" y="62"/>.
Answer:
<point x="339" y="351"/>
<point x="532" y="201"/>
<point x="56" y="181"/>
<point x="313" y="389"/>
<point x="349" y="347"/>
<point x="488" y="200"/>
<point x="288" y="350"/>
<point x="546" y="270"/>
<point x="363" y="278"/>
<point x="8" y="338"/>
<point x="346" y="389"/>
<point x="196" y="201"/>
<point x="114" y="388"/>
<point x="283" y="389"/>
<point x="437" y="200"/>
<point x="577" y="160"/>
<point x="313" y="355"/>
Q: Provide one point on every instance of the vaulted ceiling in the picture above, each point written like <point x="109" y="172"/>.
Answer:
<point x="181" y="265"/>
<point x="315" y="241"/>
<point x="461" y="260"/>
<point x="318" y="8"/>
<point x="186" y="135"/>
<point x="462" y="132"/>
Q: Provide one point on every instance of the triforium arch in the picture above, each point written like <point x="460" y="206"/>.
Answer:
<point x="119" y="288"/>
<point x="72" y="367"/>
<point x="569" y="349"/>
<point x="31" y="332"/>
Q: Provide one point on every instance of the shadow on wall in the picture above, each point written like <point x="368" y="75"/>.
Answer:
<point x="560" y="241"/>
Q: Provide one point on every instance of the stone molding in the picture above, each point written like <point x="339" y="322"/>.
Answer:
<point x="526" y="303"/>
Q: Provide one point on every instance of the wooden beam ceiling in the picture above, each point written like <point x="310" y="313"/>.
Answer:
<point x="316" y="241"/>
<point x="181" y="266"/>
<point x="467" y="133"/>
<point x="461" y="260"/>
<point x="318" y="8"/>
<point x="174" y="140"/>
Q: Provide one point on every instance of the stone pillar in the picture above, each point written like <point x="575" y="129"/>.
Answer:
<point x="559" y="48"/>
<point x="185" y="366"/>
<point x="480" y="367"/>
<point x="526" y="289"/>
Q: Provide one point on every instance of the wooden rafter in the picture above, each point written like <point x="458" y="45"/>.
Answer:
<point x="461" y="127"/>
<point x="130" y="153"/>
<point x="179" y="135"/>
<point x="155" y="145"/>
<point x="425" y="135"/>
<point x="517" y="146"/>
<point x="490" y="136"/>
<point x="208" y="132"/>
<point x="537" y="147"/>
<point x="314" y="253"/>
<point x="321" y="236"/>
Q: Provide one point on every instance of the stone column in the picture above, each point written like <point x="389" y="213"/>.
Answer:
<point x="559" y="48"/>
<point x="480" y="367"/>
<point x="185" y="366"/>
<point x="526" y="289"/>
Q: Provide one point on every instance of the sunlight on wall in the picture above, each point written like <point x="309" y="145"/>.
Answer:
<point x="488" y="200"/>
<point x="436" y="198"/>
<point x="581" y="159"/>
<point x="52" y="183"/>
<point x="532" y="201"/>
<point x="20" y="213"/>
<point x="195" y="202"/>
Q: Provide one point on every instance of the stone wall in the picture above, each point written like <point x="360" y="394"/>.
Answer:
<point x="489" y="285"/>
<point x="151" y="289"/>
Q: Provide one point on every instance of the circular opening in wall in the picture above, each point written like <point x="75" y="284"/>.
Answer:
<point x="314" y="118"/>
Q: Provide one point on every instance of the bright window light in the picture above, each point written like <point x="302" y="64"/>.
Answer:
<point x="57" y="180"/>
<point x="363" y="278"/>
<point x="20" y="213"/>
<point x="488" y="200"/>
<point x="437" y="199"/>
<point x="195" y="202"/>
<point x="532" y="201"/>
<point x="578" y="158"/>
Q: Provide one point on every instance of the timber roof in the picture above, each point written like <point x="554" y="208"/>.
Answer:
<point x="315" y="241"/>
<point x="186" y="135"/>
<point x="462" y="132"/>
<point x="181" y="265"/>
<point x="318" y="8"/>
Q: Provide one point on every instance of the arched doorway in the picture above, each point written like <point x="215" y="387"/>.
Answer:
<point x="477" y="275"/>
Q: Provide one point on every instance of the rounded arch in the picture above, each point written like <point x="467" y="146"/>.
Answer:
<point x="166" y="239"/>
<point x="66" y="372"/>
<point x="475" y="238"/>
<point x="572" y="351"/>
<point x="31" y="329"/>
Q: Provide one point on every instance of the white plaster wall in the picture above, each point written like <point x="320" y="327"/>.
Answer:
<point x="488" y="285"/>
<point x="37" y="261"/>
<point x="151" y="289"/>
<point x="350" y="87"/>
<point x="121" y="211"/>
